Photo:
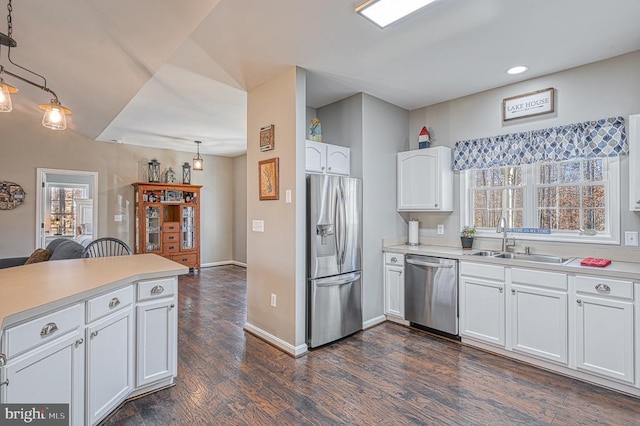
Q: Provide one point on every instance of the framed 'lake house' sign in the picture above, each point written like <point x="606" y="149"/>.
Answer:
<point x="529" y="104"/>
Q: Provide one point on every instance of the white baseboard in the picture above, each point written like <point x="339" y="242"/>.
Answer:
<point x="373" y="322"/>
<point x="295" y="351"/>
<point x="223" y="263"/>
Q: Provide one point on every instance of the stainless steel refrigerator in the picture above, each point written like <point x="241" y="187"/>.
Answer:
<point x="334" y="256"/>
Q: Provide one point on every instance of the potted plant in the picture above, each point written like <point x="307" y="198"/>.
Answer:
<point x="466" y="237"/>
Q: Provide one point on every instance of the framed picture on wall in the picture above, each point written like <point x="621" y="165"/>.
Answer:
<point x="268" y="179"/>
<point x="267" y="133"/>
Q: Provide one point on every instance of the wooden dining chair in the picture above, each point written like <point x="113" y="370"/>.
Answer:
<point x="107" y="246"/>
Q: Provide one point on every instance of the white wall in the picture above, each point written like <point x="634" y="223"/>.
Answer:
<point x="240" y="209"/>
<point x="602" y="89"/>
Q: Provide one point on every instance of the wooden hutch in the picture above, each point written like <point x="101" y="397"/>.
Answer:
<point x="168" y="221"/>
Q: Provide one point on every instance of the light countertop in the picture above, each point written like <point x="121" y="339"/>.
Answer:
<point x="31" y="290"/>
<point x="626" y="270"/>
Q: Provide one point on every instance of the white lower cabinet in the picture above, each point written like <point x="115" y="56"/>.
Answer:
<point x="109" y="363"/>
<point x="604" y="328"/>
<point x="156" y="348"/>
<point x="394" y="285"/>
<point x="539" y="314"/>
<point x="482" y="303"/>
<point x="50" y="374"/>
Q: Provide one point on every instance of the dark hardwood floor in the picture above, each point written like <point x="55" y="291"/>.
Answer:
<point x="386" y="375"/>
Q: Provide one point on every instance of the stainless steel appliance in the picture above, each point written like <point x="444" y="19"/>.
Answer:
<point x="431" y="293"/>
<point x="334" y="226"/>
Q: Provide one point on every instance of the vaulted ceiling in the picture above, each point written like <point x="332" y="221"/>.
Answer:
<point x="163" y="74"/>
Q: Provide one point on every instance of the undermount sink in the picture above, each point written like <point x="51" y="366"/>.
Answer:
<point x="534" y="258"/>
<point x="540" y="258"/>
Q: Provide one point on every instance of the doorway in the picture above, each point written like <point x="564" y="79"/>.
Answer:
<point x="66" y="206"/>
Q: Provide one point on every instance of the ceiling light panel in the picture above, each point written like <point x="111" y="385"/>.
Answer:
<point x="386" y="12"/>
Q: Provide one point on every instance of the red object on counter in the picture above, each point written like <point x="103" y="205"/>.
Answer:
<point x="594" y="261"/>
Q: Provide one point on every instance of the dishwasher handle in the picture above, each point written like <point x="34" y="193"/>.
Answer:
<point x="429" y="264"/>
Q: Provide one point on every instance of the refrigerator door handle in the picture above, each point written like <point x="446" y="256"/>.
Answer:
<point x="339" y="280"/>
<point x="430" y="265"/>
<point x="337" y="228"/>
<point x="343" y="221"/>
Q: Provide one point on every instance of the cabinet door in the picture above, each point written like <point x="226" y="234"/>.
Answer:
<point x="394" y="291"/>
<point x="50" y="374"/>
<point x="539" y="323"/>
<point x="153" y="221"/>
<point x="482" y="310"/>
<point x="418" y="180"/>
<point x="634" y="162"/>
<point x="188" y="228"/>
<point x="316" y="157"/>
<point x="109" y="364"/>
<point x="338" y="160"/>
<point x="604" y="337"/>
<point x="156" y="341"/>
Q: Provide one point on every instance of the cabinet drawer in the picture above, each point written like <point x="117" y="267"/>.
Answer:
<point x="171" y="227"/>
<point x="189" y="259"/>
<point x="604" y="287"/>
<point x="394" y="259"/>
<point x="155" y="289"/>
<point x="43" y="329"/>
<point x="483" y="271"/>
<point x="103" y="305"/>
<point x="172" y="246"/>
<point x="538" y="278"/>
<point x="171" y="237"/>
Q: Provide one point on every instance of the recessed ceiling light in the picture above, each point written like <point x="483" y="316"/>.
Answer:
<point x="385" y="12"/>
<point x="517" y="70"/>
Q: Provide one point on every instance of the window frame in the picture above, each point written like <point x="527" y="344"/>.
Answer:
<point x="530" y="184"/>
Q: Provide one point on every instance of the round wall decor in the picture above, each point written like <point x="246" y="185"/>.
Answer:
<point x="11" y="195"/>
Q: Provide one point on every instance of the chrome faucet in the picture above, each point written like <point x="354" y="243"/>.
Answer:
<point x="506" y="242"/>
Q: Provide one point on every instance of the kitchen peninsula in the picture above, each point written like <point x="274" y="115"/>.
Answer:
<point x="88" y="332"/>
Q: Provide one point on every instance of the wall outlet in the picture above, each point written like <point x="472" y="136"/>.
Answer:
<point x="631" y="238"/>
<point x="273" y="300"/>
<point x="440" y="229"/>
<point x="117" y="218"/>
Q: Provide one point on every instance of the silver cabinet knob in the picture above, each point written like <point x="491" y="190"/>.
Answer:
<point x="172" y="305"/>
<point x="394" y="259"/>
<point x="500" y="289"/>
<point x="94" y="334"/>
<point x="79" y="342"/>
<point x="48" y="329"/>
<point x="579" y="302"/>
<point x="513" y="292"/>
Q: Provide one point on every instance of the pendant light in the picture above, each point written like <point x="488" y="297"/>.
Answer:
<point x="54" y="113"/>
<point x="198" y="162"/>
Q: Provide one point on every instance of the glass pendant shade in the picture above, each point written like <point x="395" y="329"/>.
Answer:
<point x="5" y="96"/>
<point x="54" y="115"/>
<point x="198" y="161"/>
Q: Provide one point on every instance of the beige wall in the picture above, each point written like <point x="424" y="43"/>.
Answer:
<point x="598" y="90"/>
<point x="25" y="145"/>
<point x="274" y="256"/>
<point x="240" y="209"/>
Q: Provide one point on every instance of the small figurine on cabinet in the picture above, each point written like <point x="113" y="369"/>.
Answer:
<point x="170" y="176"/>
<point x="315" y="130"/>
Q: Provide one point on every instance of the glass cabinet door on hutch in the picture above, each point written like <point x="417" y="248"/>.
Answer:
<point x="167" y="221"/>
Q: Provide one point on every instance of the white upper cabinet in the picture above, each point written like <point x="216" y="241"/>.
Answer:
<point x="425" y="180"/>
<point x="326" y="158"/>
<point x="634" y="162"/>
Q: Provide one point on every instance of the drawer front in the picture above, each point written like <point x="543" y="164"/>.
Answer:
<point x="155" y="289"/>
<point x="394" y="259"/>
<point x="101" y="306"/>
<point x="172" y="246"/>
<point x="604" y="287"/>
<point x="482" y="271"/>
<point x="171" y="227"/>
<point x="43" y="329"/>
<point x="187" y="259"/>
<point x="171" y="237"/>
<point x="538" y="278"/>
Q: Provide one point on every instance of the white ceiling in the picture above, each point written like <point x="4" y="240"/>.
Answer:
<point x="163" y="74"/>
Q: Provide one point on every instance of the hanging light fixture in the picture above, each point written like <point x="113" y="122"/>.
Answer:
<point x="55" y="114"/>
<point x="198" y="162"/>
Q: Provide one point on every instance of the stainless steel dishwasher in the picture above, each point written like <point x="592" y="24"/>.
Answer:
<point x="431" y="293"/>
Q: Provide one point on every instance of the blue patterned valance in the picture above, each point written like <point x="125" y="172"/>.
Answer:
<point x="601" y="138"/>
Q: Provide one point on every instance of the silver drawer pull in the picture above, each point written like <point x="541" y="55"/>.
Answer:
<point x="94" y="334"/>
<point x="603" y="288"/>
<point x="394" y="259"/>
<point x="3" y="359"/>
<point x="6" y="382"/>
<point x="172" y="305"/>
<point x="49" y="329"/>
<point x="114" y="302"/>
<point x="157" y="289"/>
<point x="79" y="342"/>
